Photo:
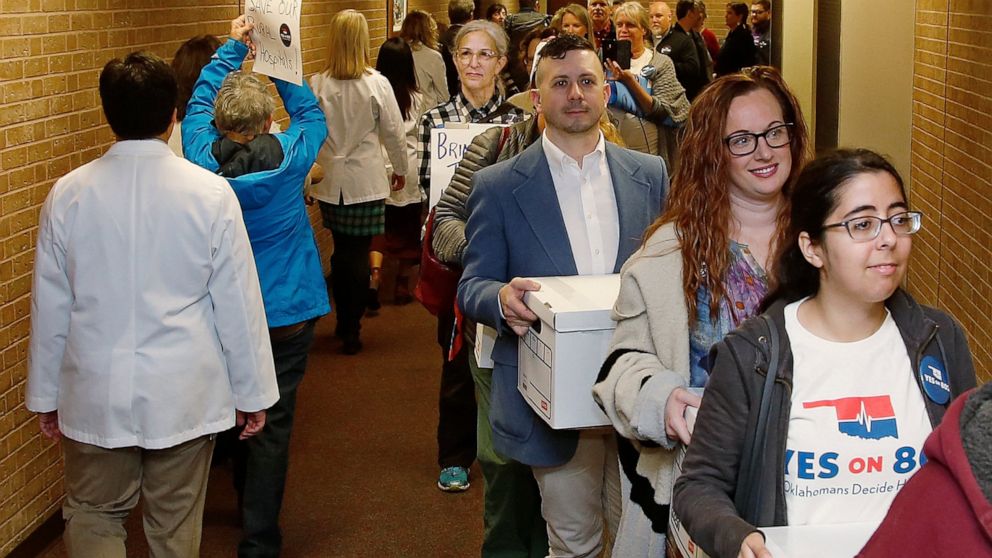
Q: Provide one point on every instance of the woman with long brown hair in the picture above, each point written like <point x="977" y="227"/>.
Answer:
<point x="189" y="59"/>
<point x="574" y="20"/>
<point x="420" y="32"/>
<point x="701" y="271"/>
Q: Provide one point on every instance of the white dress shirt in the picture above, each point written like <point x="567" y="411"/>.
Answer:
<point x="147" y="323"/>
<point x="588" y="206"/>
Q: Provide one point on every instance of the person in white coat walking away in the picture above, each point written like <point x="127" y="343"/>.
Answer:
<point x="148" y="333"/>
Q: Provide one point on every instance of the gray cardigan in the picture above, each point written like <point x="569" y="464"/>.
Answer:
<point x="650" y="134"/>
<point x="649" y="359"/>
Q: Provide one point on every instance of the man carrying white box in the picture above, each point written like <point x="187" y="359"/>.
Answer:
<point x="570" y="204"/>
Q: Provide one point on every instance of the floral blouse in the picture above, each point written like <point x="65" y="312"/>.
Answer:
<point x="746" y="285"/>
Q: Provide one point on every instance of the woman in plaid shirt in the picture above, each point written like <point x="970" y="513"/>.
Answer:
<point x="480" y="55"/>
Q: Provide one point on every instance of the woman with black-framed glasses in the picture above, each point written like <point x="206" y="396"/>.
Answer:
<point x="699" y="274"/>
<point x="864" y="373"/>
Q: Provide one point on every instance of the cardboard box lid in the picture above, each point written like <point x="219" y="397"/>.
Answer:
<point x="575" y="303"/>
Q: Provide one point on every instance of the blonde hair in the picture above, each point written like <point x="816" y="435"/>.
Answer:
<point x="636" y="13"/>
<point x="348" y="52"/>
<point x="243" y="104"/>
<point x="420" y="27"/>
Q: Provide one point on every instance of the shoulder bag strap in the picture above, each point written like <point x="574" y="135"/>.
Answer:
<point x="503" y="135"/>
<point x="752" y="460"/>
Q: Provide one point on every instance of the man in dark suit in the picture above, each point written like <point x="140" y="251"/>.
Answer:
<point x="738" y="50"/>
<point x="459" y="13"/>
<point x="686" y="49"/>
<point x="570" y="204"/>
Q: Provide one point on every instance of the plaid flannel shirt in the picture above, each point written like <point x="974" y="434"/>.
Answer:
<point x="457" y="109"/>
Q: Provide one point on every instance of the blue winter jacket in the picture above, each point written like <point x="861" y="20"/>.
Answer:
<point x="282" y="240"/>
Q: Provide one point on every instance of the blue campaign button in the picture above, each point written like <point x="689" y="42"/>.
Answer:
<point x="935" y="380"/>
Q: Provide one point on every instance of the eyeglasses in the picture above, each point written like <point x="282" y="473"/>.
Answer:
<point x="745" y="143"/>
<point x="465" y="55"/>
<point x="758" y="12"/>
<point x="865" y="229"/>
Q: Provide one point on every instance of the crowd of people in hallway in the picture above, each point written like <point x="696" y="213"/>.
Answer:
<point x="178" y="283"/>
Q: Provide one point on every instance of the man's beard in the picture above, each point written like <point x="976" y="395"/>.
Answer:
<point x="573" y="124"/>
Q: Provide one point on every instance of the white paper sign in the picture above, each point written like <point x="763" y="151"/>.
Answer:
<point x="447" y="147"/>
<point x="277" y="39"/>
<point x="485" y="340"/>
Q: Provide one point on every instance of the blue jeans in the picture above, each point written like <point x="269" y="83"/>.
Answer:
<point x="261" y="462"/>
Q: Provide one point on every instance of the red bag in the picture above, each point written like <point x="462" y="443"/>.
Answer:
<point x="438" y="283"/>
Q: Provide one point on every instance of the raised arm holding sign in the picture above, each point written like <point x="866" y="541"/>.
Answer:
<point x="275" y="34"/>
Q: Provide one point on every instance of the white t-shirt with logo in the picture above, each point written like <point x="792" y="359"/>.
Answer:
<point x="636" y="64"/>
<point x="857" y="425"/>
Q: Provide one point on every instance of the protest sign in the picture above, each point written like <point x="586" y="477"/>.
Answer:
<point x="448" y="144"/>
<point x="276" y="36"/>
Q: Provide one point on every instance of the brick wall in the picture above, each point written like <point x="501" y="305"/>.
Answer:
<point x="51" y="52"/>
<point x="952" y="165"/>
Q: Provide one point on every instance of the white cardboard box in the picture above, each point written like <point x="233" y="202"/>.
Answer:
<point x="803" y="541"/>
<point x="560" y="356"/>
<point x="679" y="542"/>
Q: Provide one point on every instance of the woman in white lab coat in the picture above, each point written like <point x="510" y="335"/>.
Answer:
<point x="362" y="118"/>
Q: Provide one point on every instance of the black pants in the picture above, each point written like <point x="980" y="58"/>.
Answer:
<point x="261" y="462"/>
<point x="456" y="426"/>
<point x="350" y="280"/>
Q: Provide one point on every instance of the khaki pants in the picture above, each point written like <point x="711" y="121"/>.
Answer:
<point x="581" y="499"/>
<point x="103" y="486"/>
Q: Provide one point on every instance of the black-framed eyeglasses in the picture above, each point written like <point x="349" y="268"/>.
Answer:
<point x="745" y="143"/>
<point x="865" y="229"/>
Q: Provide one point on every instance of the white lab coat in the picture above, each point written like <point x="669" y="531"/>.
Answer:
<point x="411" y="192"/>
<point x="361" y="114"/>
<point x="147" y="325"/>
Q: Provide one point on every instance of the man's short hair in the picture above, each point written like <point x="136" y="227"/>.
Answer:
<point x="138" y="95"/>
<point x="765" y="4"/>
<point x="532" y="4"/>
<point x="560" y="46"/>
<point x="243" y="104"/>
<point x="683" y="8"/>
<point x="460" y="11"/>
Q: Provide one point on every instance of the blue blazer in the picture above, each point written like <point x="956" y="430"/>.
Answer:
<point x="516" y="229"/>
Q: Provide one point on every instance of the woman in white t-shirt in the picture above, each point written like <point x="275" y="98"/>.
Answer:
<point x="862" y="373"/>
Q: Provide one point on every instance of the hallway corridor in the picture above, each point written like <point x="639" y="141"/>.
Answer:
<point x="363" y="472"/>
